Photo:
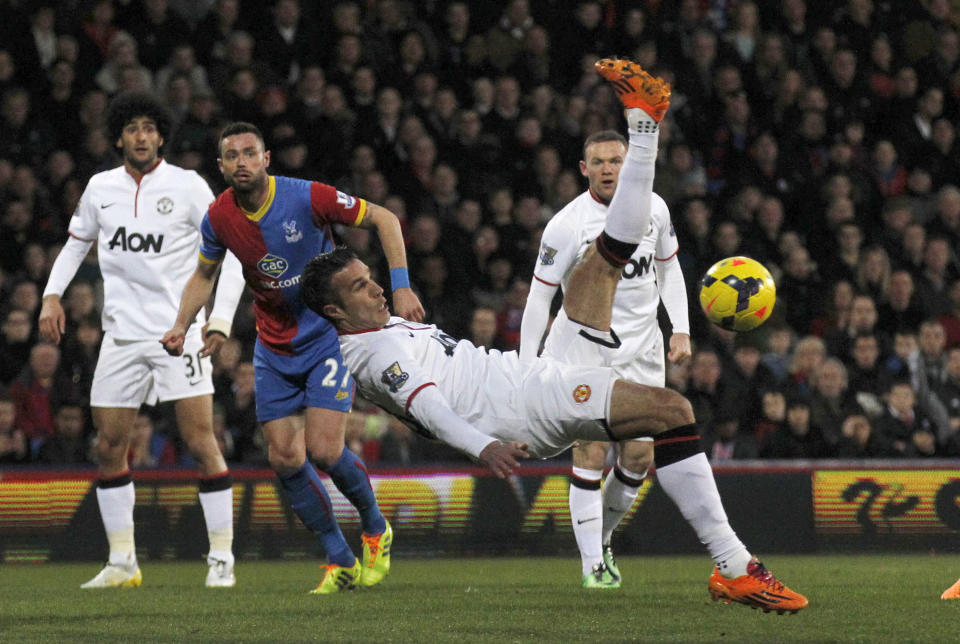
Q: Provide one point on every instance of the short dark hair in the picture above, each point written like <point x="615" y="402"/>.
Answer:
<point x="315" y="284"/>
<point x="240" y="127"/>
<point x="602" y="137"/>
<point x="130" y="105"/>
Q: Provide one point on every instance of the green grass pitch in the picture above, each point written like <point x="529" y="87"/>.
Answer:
<point x="853" y="598"/>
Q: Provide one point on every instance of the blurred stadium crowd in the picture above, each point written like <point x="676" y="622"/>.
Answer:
<point x="817" y="137"/>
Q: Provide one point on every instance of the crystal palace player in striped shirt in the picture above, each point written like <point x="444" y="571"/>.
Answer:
<point x="275" y="225"/>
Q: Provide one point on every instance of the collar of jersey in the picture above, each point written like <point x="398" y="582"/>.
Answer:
<point x="597" y="199"/>
<point x="262" y="210"/>
<point x="359" y="331"/>
<point x="152" y="168"/>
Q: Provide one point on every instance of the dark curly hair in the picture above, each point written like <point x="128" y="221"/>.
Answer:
<point x="130" y="105"/>
<point x="315" y="284"/>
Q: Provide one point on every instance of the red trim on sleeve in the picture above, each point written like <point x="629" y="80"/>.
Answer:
<point x="663" y="259"/>
<point x="406" y="409"/>
<point x="544" y="281"/>
<point x="80" y="238"/>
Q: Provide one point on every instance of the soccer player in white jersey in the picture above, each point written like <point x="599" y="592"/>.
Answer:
<point x="497" y="408"/>
<point x="145" y="218"/>
<point x="636" y="355"/>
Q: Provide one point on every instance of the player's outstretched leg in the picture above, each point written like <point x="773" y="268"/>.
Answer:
<point x="216" y="500"/>
<point x="953" y="592"/>
<point x="350" y="477"/>
<point x="645" y="100"/>
<point x="685" y="475"/>
<point x="116" y="497"/>
<point x="588" y="298"/>
<point x="687" y="478"/>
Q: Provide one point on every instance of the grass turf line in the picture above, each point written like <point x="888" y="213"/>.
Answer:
<point x="853" y="598"/>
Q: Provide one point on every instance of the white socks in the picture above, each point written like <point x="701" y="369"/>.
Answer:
<point x="618" y="498"/>
<point x="218" y="514"/>
<point x="116" y="510"/>
<point x="628" y="217"/>
<point x="586" y="517"/>
<point x="690" y="484"/>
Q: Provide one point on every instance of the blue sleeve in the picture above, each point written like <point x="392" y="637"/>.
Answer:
<point x="211" y="248"/>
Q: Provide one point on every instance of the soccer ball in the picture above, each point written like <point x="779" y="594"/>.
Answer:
<point x="737" y="293"/>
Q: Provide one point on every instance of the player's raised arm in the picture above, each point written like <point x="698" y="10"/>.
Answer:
<point x="406" y="304"/>
<point x="195" y="294"/>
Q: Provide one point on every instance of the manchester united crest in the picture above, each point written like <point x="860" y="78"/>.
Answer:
<point x="581" y="393"/>
<point x="165" y="205"/>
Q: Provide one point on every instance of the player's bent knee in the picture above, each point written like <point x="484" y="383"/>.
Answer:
<point x="111" y="454"/>
<point x="590" y="455"/>
<point x="673" y="409"/>
<point x="325" y="453"/>
<point x="636" y="457"/>
<point x="285" y="458"/>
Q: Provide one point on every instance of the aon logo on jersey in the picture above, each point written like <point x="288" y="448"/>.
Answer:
<point x="636" y="268"/>
<point x="136" y="242"/>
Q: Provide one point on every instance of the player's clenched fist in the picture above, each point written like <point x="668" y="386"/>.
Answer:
<point x="173" y="339"/>
<point x="52" y="321"/>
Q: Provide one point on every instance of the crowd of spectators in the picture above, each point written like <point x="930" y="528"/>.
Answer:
<point x="818" y="137"/>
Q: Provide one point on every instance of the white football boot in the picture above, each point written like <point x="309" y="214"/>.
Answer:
<point x="117" y="575"/>
<point x="220" y="574"/>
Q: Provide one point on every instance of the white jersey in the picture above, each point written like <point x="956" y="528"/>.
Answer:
<point x="543" y="403"/>
<point x="148" y="240"/>
<point x="571" y="231"/>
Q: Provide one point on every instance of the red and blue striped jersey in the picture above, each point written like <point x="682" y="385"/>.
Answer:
<point x="274" y="245"/>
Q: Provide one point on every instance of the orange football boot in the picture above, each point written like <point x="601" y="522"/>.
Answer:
<point x="635" y="87"/>
<point x="953" y="592"/>
<point x="757" y="589"/>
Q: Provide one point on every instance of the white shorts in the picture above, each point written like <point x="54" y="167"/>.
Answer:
<point x="133" y="372"/>
<point x="557" y="404"/>
<point x="636" y="358"/>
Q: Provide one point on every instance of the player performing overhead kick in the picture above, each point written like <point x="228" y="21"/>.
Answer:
<point x="274" y="225"/>
<point x="145" y="216"/>
<point x="497" y="409"/>
<point x="637" y="355"/>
